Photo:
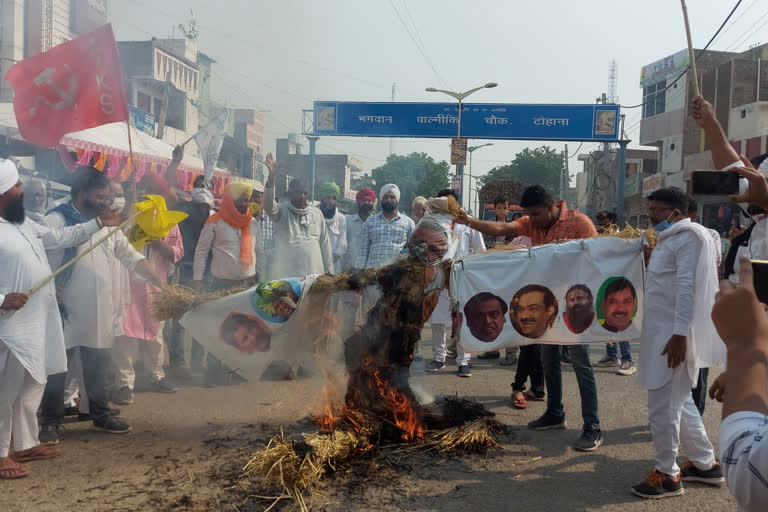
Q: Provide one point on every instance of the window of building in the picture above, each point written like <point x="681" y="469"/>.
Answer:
<point x="144" y="101"/>
<point x="654" y="98"/>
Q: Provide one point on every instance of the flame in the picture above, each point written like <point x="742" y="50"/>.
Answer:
<point x="327" y="420"/>
<point x="403" y="413"/>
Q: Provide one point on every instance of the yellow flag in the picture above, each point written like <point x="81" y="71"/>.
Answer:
<point x="154" y="221"/>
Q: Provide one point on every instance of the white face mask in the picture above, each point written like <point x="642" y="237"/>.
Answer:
<point x="118" y="203"/>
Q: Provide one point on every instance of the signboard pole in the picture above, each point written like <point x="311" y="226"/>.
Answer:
<point x="313" y="165"/>
<point x="460" y="167"/>
<point x="620" y="174"/>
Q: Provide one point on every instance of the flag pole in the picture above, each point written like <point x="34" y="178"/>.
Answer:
<point x="691" y="56"/>
<point x="71" y="262"/>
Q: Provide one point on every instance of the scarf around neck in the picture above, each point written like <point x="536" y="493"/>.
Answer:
<point x="303" y="214"/>
<point x="237" y="220"/>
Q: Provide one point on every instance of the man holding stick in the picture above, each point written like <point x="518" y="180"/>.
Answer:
<point x="31" y="337"/>
<point x="86" y="302"/>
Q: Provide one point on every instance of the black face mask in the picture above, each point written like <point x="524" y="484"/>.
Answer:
<point x="328" y="211"/>
<point x="364" y="210"/>
<point x="389" y="207"/>
<point x="15" y="212"/>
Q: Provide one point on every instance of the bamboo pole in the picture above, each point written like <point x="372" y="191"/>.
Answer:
<point x="691" y="56"/>
<point x="61" y="269"/>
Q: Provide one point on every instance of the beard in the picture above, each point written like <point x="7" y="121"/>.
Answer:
<point x="90" y="209"/>
<point x="389" y="207"/>
<point x="328" y="211"/>
<point x="581" y="316"/>
<point x="15" y="212"/>
<point x="364" y="210"/>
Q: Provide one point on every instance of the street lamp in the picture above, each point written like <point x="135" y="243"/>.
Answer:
<point x="459" y="96"/>
<point x="472" y="150"/>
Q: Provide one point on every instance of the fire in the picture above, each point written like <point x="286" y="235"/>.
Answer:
<point x="327" y="420"/>
<point x="404" y="415"/>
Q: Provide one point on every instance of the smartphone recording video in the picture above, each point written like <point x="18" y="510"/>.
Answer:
<point x="760" y="271"/>
<point x="715" y="183"/>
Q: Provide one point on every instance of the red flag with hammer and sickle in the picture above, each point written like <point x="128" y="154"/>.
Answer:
<point x="71" y="87"/>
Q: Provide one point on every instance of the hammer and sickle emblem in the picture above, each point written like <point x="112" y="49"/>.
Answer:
<point x="66" y="98"/>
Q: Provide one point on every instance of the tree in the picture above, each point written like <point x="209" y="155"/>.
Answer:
<point x="416" y="174"/>
<point x="539" y="166"/>
<point x="190" y="29"/>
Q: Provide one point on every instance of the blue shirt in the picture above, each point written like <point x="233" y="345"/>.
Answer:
<point x="382" y="240"/>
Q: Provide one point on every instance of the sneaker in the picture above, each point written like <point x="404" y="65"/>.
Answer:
<point x="626" y="368"/>
<point x="712" y="476"/>
<point x="548" y="422"/>
<point x="113" y="425"/>
<point x="659" y="485"/>
<point x="589" y="441"/>
<point x="123" y="397"/>
<point x="434" y="366"/>
<point x="50" y="434"/>
<point x="84" y="416"/>
<point x="489" y="355"/>
<point x="163" y="386"/>
<point x="607" y="362"/>
<point x="464" y="371"/>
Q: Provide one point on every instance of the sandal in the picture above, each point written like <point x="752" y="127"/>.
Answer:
<point x="518" y="400"/>
<point x="39" y="452"/>
<point x="13" y="472"/>
<point x="533" y="397"/>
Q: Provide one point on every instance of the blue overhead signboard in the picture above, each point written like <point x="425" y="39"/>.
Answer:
<point x="478" y="120"/>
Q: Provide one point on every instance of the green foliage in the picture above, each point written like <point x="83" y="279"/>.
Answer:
<point x="416" y="174"/>
<point x="539" y="166"/>
<point x="190" y="30"/>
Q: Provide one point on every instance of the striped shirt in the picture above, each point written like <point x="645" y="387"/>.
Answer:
<point x="381" y="240"/>
<point x="744" y="456"/>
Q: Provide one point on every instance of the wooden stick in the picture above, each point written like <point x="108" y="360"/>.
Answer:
<point x="75" y="260"/>
<point x="691" y="56"/>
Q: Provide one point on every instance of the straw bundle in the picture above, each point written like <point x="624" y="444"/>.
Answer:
<point x="175" y="300"/>
<point x="478" y="436"/>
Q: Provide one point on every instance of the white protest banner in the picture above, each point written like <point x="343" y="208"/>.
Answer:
<point x="270" y="321"/>
<point x="581" y="291"/>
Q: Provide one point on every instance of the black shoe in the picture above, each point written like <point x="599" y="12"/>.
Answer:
<point x="113" y="425"/>
<point x="712" y="476"/>
<point x="464" y="371"/>
<point x="489" y="355"/>
<point x="548" y="422"/>
<point x="163" y="386"/>
<point x="659" y="485"/>
<point x="82" y="416"/>
<point x="434" y="366"/>
<point x="50" y="434"/>
<point x="589" y="441"/>
<point x="124" y="396"/>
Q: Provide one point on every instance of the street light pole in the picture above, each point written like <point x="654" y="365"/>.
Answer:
<point x="459" y="96"/>
<point x="472" y="150"/>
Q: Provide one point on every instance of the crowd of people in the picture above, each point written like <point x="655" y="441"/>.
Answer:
<point x="74" y="343"/>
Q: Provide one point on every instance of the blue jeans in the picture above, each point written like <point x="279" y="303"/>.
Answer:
<point x="585" y="376"/>
<point x="626" y="351"/>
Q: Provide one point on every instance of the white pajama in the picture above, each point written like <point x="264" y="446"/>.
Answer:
<point x="439" y="335"/>
<point x="125" y="352"/>
<point x="20" y="396"/>
<point x="676" y="423"/>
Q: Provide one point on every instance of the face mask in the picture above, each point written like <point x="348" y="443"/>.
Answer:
<point x="255" y="208"/>
<point x="364" y="209"/>
<point x="328" y="211"/>
<point x="118" y="203"/>
<point x="661" y="226"/>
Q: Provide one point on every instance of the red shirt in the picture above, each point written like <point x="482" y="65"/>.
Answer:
<point x="572" y="224"/>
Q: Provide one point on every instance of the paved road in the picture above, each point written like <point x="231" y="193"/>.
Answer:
<point x="181" y="440"/>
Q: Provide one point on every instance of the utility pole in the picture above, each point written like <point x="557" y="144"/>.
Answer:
<point x="564" y="177"/>
<point x="391" y="140"/>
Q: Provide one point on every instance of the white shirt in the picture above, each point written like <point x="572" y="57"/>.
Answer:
<point x="88" y="296"/>
<point x="680" y="287"/>
<point x="225" y="242"/>
<point x="744" y="457"/>
<point x="354" y="240"/>
<point x="337" y="232"/>
<point x="33" y="333"/>
<point x="469" y="241"/>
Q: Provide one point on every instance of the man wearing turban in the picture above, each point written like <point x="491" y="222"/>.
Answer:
<point x="385" y="234"/>
<point x="335" y="221"/>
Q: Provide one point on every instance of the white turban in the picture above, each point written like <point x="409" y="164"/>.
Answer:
<point x="9" y="176"/>
<point x="202" y="196"/>
<point x="390" y="186"/>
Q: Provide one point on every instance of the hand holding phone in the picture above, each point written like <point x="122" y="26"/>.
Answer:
<point x="715" y="183"/>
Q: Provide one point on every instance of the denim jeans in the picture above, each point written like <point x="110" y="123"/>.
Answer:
<point x="585" y="376"/>
<point x="626" y="351"/>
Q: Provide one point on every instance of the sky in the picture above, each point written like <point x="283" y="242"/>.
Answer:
<point x="283" y="55"/>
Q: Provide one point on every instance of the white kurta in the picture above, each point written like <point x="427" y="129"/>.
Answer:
<point x="680" y="288"/>
<point x="88" y="297"/>
<point x="469" y="241"/>
<point x="33" y="333"/>
<point x="337" y="232"/>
